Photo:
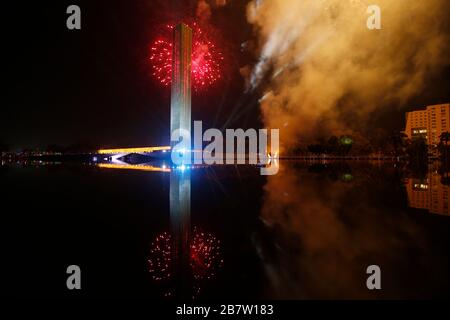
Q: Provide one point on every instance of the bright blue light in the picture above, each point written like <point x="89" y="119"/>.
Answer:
<point x="181" y="168"/>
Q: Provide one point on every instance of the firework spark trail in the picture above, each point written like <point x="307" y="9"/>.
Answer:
<point x="205" y="256"/>
<point x="206" y="60"/>
<point x="159" y="264"/>
<point x="161" y="58"/>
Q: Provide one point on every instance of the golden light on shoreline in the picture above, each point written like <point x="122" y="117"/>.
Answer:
<point x="133" y="167"/>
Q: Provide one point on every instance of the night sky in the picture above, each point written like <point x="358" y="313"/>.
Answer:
<point x="94" y="86"/>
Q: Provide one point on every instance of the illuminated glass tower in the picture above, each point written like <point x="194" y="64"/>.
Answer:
<point x="180" y="105"/>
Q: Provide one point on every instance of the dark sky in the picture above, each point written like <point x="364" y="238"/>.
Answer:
<point x="94" y="86"/>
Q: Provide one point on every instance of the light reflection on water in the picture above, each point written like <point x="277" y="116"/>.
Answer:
<point x="308" y="232"/>
<point x="330" y="221"/>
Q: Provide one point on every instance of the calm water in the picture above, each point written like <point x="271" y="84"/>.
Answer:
<point x="307" y="233"/>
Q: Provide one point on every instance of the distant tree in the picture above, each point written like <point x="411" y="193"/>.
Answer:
<point x="445" y="137"/>
<point x="333" y="145"/>
<point x="26" y="152"/>
<point x="54" y="148"/>
<point x="443" y="145"/>
<point x="316" y="149"/>
<point x="366" y="149"/>
<point x="417" y="151"/>
<point x="312" y="148"/>
<point x="378" y="139"/>
<point x="3" y="147"/>
<point x="298" y="150"/>
<point x="398" y="141"/>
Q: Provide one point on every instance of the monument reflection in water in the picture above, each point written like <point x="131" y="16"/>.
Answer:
<point x="180" y="224"/>
<point x="182" y="260"/>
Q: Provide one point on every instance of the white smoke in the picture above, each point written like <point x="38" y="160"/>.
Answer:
<point x="315" y="53"/>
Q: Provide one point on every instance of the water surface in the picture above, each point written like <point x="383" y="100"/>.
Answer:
<point x="308" y="232"/>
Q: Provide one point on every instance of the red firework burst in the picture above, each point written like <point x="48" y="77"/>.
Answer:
<point x="205" y="256"/>
<point x="206" y="59"/>
<point x="159" y="264"/>
<point x="161" y="58"/>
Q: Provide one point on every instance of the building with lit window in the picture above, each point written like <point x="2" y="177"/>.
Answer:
<point x="430" y="194"/>
<point x="429" y="123"/>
